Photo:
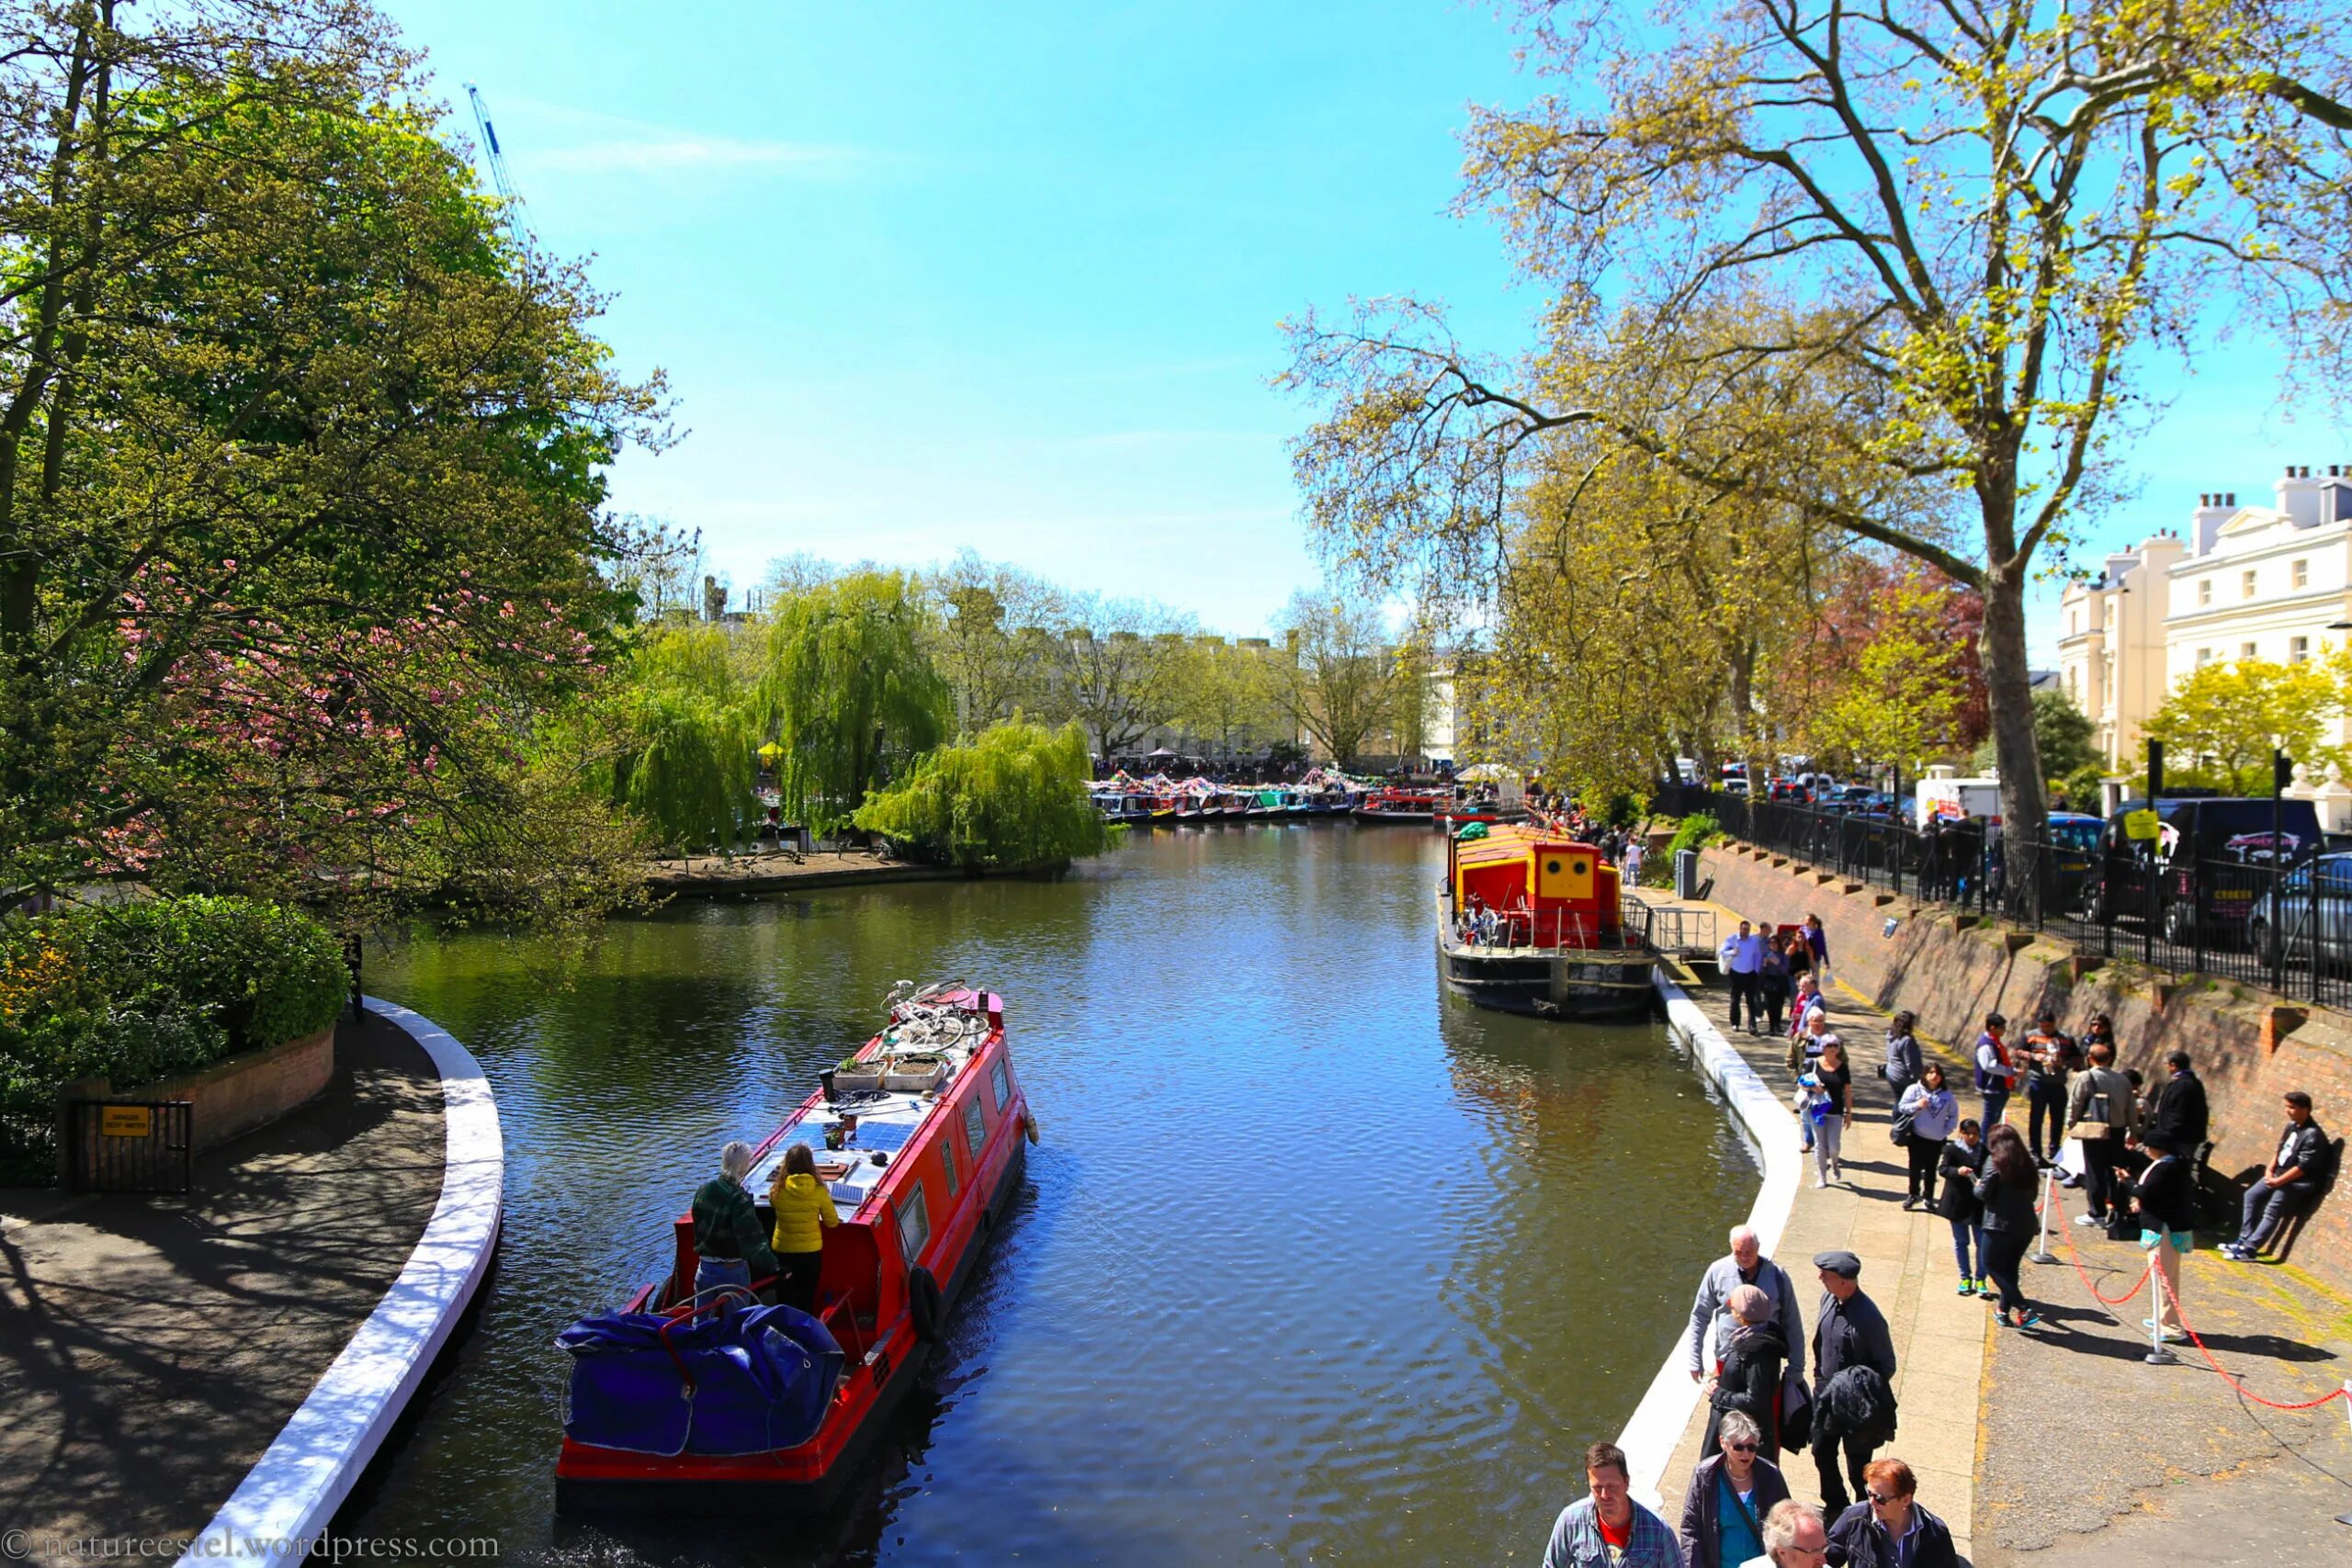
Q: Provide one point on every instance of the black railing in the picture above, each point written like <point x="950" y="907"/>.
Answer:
<point x="116" y="1148"/>
<point x="2287" y="927"/>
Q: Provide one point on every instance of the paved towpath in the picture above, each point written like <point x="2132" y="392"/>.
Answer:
<point x="150" y="1348"/>
<point x="2061" y="1447"/>
<point x="1907" y="1268"/>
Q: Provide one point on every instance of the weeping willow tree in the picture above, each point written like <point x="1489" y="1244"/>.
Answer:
<point x="680" y="735"/>
<point x="1015" y="796"/>
<point x="689" y="771"/>
<point x="848" y="688"/>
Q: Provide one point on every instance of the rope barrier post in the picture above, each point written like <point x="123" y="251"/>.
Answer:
<point x="2042" y="1253"/>
<point x="2159" y="1295"/>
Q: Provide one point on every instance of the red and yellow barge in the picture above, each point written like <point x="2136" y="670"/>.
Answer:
<point x="1530" y="920"/>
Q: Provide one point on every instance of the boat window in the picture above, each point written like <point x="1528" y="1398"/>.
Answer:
<point x="1002" y="1084"/>
<point x="947" y="1163"/>
<point x="914" y="1222"/>
<point x="975" y="1133"/>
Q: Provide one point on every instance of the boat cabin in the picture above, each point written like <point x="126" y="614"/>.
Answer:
<point x="899" y="1138"/>
<point x="1546" y="890"/>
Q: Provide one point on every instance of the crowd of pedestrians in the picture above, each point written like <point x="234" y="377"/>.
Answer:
<point x="2087" y="1125"/>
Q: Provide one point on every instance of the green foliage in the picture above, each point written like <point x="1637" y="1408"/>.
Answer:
<point x="1903" y="698"/>
<point x="2082" y="789"/>
<point x="688" y="770"/>
<point x="2061" y="735"/>
<point x="2221" y="723"/>
<point x="1015" y="796"/>
<point x="1698" y="831"/>
<point x="676" y="736"/>
<point x="848" y="687"/>
<point x="145" y="991"/>
<point x="1344" y="682"/>
<point x="300" y="499"/>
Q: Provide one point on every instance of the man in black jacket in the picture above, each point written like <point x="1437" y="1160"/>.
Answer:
<point x="1848" y="1331"/>
<point x="2289" y="1187"/>
<point x="2180" y="1117"/>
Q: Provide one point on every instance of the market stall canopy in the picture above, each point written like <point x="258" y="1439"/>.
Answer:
<point x="1483" y="772"/>
<point x="771" y="750"/>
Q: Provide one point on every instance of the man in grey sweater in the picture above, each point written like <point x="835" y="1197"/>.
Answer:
<point x="1746" y="1265"/>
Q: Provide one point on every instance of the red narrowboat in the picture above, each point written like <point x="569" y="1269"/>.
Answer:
<point x="919" y="1136"/>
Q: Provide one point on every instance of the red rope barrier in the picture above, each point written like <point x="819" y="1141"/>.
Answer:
<point x="2227" y="1376"/>
<point x="2066" y="1230"/>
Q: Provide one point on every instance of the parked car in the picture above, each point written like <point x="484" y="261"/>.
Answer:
<point x="2206" y="872"/>
<point x="2290" y="923"/>
<point x="2076" y="841"/>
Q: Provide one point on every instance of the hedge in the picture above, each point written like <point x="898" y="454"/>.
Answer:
<point x="144" y="992"/>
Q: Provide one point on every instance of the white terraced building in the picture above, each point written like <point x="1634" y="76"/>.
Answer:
<point x="2242" y="582"/>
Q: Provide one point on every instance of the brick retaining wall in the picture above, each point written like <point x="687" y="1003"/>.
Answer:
<point x="236" y="1094"/>
<point x="1952" y="969"/>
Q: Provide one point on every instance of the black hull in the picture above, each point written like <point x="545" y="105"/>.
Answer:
<point x="752" y="1498"/>
<point x="1590" y="988"/>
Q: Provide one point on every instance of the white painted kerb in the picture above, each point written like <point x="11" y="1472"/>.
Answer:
<point x="291" y="1495"/>
<point x="1649" y="1439"/>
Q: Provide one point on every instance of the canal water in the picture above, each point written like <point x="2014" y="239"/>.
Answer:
<point x="1313" y="1263"/>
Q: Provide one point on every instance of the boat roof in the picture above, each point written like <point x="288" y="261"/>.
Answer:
<point x="952" y="1025"/>
<point x="1505" y="841"/>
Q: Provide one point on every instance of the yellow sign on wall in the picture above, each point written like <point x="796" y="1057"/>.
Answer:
<point x="126" y="1121"/>
<point x="1564" y="873"/>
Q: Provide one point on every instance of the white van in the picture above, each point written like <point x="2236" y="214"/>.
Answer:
<point x="1955" y="799"/>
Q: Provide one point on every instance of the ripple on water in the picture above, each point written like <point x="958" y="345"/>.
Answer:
<point x="1310" y="1265"/>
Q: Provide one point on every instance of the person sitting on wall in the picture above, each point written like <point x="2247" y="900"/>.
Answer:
<point x="2289" y="1187"/>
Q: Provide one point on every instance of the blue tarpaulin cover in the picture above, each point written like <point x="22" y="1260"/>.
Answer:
<point x="761" y="1379"/>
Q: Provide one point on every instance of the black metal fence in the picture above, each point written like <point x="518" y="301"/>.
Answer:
<point x="2284" y="926"/>
<point x="115" y="1147"/>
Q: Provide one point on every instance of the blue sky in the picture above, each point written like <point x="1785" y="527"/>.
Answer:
<point x="1008" y="276"/>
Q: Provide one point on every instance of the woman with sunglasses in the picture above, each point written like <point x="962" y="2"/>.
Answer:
<point x="1724" y="1508"/>
<point x="1888" y="1528"/>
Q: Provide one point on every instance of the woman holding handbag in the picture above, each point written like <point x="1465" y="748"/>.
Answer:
<point x="1925" y="1117"/>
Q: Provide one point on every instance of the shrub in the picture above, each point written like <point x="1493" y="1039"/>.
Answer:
<point x="1015" y="796"/>
<point x="1698" y="831"/>
<point x="145" y="991"/>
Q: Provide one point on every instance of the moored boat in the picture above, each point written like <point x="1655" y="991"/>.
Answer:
<point x="1399" y="805"/>
<point x="711" y="1404"/>
<point x="1528" y="921"/>
<point x="1460" y="814"/>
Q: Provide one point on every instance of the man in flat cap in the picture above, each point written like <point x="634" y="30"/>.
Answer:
<point x="1850" y="1338"/>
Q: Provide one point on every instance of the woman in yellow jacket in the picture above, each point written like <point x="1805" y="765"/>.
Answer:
<point x="804" y="1210"/>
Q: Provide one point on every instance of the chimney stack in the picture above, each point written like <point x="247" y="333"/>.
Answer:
<point x="2299" y="496"/>
<point x="2212" y="510"/>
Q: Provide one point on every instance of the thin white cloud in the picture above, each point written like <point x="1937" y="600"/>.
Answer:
<point x="616" y="143"/>
<point x="686" y="152"/>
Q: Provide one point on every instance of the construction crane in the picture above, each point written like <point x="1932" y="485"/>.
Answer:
<point x="510" y="198"/>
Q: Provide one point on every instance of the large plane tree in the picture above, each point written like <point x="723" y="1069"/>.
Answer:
<point x="1905" y="266"/>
